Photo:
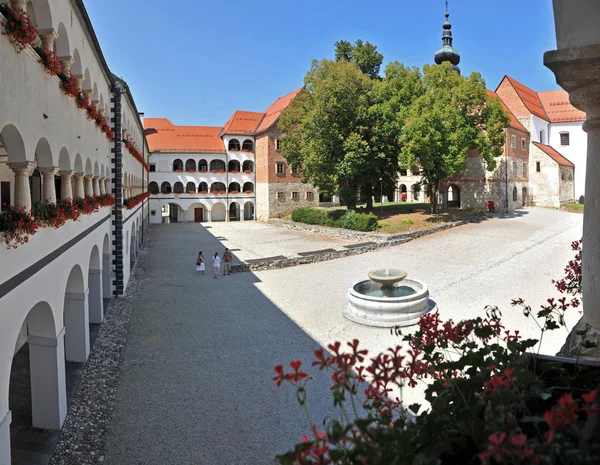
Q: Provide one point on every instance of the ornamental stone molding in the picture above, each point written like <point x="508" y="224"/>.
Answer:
<point x="48" y="37"/>
<point x="66" y="63"/>
<point x="22" y="172"/>
<point x="48" y="175"/>
<point x="66" y="188"/>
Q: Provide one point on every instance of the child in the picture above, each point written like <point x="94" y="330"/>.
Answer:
<point x="200" y="263"/>
<point x="216" y="265"/>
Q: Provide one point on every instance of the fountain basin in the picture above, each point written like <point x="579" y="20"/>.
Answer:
<point x="369" y="305"/>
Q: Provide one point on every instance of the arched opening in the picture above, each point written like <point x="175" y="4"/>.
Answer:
<point x="165" y="188"/>
<point x="153" y="187"/>
<point x="416" y="189"/>
<point x="203" y="188"/>
<point x="178" y="165"/>
<point x="197" y="213"/>
<point x="234" y="188"/>
<point x="248" y="167"/>
<point x="96" y="305"/>
<point x="248" y="188"/>
<point x="106" y="284"/>
<point x="76" y="318"/>
<point x="515" y="194"/>
<point x="234" y="211"/>
<point x="173" y="213"/>
<point x="524" y="193"/>
<point x="190" y="188"/>
<point x="35" y="186"/>
<point x="403" y="193"/>
<point x="190" y="165"/>
<point x="217" y="166"/>
<point x="132" y="249"/>
<point x="249" y="211"/>
<point x="234" y="166"/>
<point x="453" y="196"/>
<point x="202" y="166"/>
<point x="248" y="146"/>
<point x="62" y="47"/>
<point x="234" y="145"/>
<point x="37" y="395"/>
<point x="178" y="187"/>
<point x="217" y="212"/>
<point x="217" y="188"/>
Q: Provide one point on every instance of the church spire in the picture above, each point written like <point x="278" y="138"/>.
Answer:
<point x="447" y="52"/>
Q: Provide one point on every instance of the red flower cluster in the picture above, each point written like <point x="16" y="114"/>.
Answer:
<point x="69" y="85"/>
<point x="16" y="225"/>
<point x="49" y="59"/>
<point x="501" y="380"/>
<point x="18" y="27"/>
<point x="515" y="449"/>
<point x="136" y="154"/>
<point x="568" y="411"/>
<point x="134" y="201"/>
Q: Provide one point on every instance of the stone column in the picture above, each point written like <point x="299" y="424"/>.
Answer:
<point x="95" y="297"/>
<point x="66" y="187"/>
<point x="49" y="186"/>
<point x="22" y="194"/>
<point x="208" y="217"/>
<point x="107" y="185"/>
<point x="19" y="4"/>
<point x="48" y="37"/>
<point x="96" y="185"/>
<point x="5" y="438"/>
<point x="88" y="93"/>
<point x="79" y="78"/>
<point x="48" y="391"/>
<point x="77" y="336"/>
<point x="101" y="185"/>
<point x="79" y="189"/>
<point x="66" y="63"/>
<point x="577" y="71"/>
<point x="89" y="185"/>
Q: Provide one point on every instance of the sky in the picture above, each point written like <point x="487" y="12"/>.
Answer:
<point x="196" y="62"/>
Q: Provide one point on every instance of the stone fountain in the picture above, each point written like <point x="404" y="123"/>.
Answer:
<point x="387" y="299"/>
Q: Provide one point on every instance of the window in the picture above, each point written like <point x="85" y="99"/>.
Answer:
<point x="538" y="167"/>
<point x="281" y="196"/>
<point x="523" y="144"/>
<point x="295" y="196"/>
<point x="152" y="168"/>
<point x="295" y="171"/>
<point x="515" y="194"/>
<point x="402" y="172"/>
<point x="277" y="144"/>
<point x="513" y="141"/>
<point x="564" y="138"/>
<point x="562" y="176"/>
<point x="309" y="196"/>
<point x="524" y="169"/>
<point x="542" y="137"/>
<point x="152" y="212"/>
<point x="570" y="177"/>
<point x="515" y="167"/>
<point x="280" y="168"/>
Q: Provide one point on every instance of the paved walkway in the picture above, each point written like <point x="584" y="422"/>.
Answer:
<point x="195" y="385"/>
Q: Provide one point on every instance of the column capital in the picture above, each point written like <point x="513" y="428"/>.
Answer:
<point x="79" y="175"/>
<point x="46" y="341"/>
<point x="66" y="62"/>
<point x="48" y="170"/>
<point x="22" y="167"/>
<point x="48" y="37"/>
<point x="79" y="78"/>
<point x="88" y="93"/>
<point x="88" y="176"/>
<point x="66" y="173"/>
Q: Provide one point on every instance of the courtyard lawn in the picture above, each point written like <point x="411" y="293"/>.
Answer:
<point x="398" y="217"/>
<point x="574" y="207"/>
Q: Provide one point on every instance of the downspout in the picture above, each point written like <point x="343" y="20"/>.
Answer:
<point x="227" y="184"/>
<point x="506" y="177"/>
<point x="144" y="174"/>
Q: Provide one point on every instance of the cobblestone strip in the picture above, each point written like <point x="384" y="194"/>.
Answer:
<point x="383" y="241"/>
<point x="82" y="439"/>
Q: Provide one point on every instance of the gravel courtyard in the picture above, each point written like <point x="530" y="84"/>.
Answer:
<point x="196" y="383"/>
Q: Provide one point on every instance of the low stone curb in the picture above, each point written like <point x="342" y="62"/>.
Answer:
<point x="382" y="241"/>
<point x="83" y="436"/>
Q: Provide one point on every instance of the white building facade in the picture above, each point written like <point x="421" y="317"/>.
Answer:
<point x="62" y="150"/>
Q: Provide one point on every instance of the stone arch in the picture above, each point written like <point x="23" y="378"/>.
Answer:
<point x="177" y="165"/>
<point x="43" y="154"/>
<point x="203" y="188"/>
<point x="95" y="287"/>
<point x="95" y="92"/>
<point x="177" y="188"/>
<point x="76" y="318"/>
<point x="11" y="139"/>
<point x="217" y="187"/>
<point x="88" y="166"/>
<point x="165" y="187"/>
<point x="234" y="166"/>
<point x="515" y="194"/>
<point x="78" y="165"/>
<point x="64" y="160"/>
<point x="87" y="81"/>
<point x="524" y="196"/>
<point x="107" y="111"/>
<point x="197" y="212"/>
<point x="174" y="212"/>
<point x="106" y="284"/>
<point x="96" y="169"/>
<point x="132" y="247"/>
<point x="416" y="190"/>
<point x="202" y="165"/>
<point x="190" y="164"/>
<point x="234" y="145"/>
<point x="248" y="166"/>
<point x="101" y="102"/>
<point x="453" y="196"/>
<point x="43" y="14"/>
<point x="234" y="211"/>
<point x="190" y="187"/>
<point x="249" y="210"/>
<point x="217" y="166"/>
<point x="62" y="47"/>
<point x="153" y="187"/>
<point x="77" y="66"/>
<point x="248" y="146"/>
<point x="248" y="187"/>
<point x="217" y="212"/>
<point x="234" y="188"/>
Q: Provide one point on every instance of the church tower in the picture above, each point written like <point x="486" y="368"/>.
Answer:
<point x="447" y="52"/>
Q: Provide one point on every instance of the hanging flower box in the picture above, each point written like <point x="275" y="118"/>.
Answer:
<point x="68" y="84"/>
<point x="203" y="171"/>
<point x="234" y="192"/>
<point x="49" y="60"/>
<point x="191" y="192"/>
<point x="179" y="171"/>
<point x="191" y="171"/>
<point x="233" y="171"/>
<point x="247" y="171"/>
<point x="248" y="192"/>
<point x="203" y="192"/>
<point x="18" y="27"/>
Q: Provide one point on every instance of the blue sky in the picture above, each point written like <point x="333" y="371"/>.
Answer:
<point x="196" y="62"/>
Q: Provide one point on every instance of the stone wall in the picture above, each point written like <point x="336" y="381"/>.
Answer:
<point x="566" y="186"/>
<point x="544" y="185"/>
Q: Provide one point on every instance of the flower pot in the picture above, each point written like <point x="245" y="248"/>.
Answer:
<point x="576" y="23"/>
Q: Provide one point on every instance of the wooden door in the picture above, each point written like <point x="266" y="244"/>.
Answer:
<point x="198" y="217"/>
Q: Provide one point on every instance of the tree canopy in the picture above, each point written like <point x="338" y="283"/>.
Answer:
<point x="365" y="55"/>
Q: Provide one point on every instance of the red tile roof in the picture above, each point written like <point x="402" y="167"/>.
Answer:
<point x="514" y="122"/>
<point x="558" y="108"/>
<point x="171" y="138"/>
<point x="242" y="122"/>
<point x="552" y="153"/>
<point x="529" y="98"/>
<point x="272" y="113"/>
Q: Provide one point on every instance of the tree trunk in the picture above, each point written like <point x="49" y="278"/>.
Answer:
<point x="368" y="189"/>
<point x="435" y="185"/>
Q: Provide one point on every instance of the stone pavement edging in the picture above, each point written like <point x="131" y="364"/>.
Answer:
<point x="83" y="436"/>
<point x="378" y="241"/>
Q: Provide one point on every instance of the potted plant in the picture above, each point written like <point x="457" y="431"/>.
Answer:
<point x="247" y="171"/>
<point x="233" y="171"/>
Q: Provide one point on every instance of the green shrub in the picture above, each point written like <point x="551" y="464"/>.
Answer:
<point x="382" y="224"/>
<point x="312" y="216"/>
<point x="359" y="221"/>
<point x="477" y="212"/>
<point x="349" y="220"/>
<point x="407" y="221"/>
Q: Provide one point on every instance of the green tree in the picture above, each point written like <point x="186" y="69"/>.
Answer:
<point x="453" y="115"/>
<point x="365" y="55"/>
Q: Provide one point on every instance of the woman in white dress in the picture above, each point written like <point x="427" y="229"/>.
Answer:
<point x="216" y="265"/>
<point x="200" y="263"/>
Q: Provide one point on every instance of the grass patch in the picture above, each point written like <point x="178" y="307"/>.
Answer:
<point x="574" y="207"/>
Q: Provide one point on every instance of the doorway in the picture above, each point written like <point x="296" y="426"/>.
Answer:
<point x="198" y="215"/>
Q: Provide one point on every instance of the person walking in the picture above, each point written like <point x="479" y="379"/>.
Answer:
<point x="200" y="263"/>
<point x="227" y="259"/>
<point x="216" y="265"/>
